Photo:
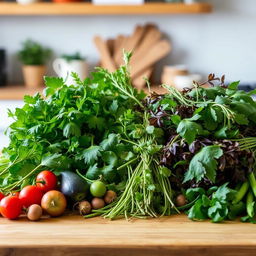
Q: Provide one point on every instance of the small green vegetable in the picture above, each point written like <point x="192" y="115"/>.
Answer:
<point x="250" y="204"/>
<point x="252" y="181"/>
<point x="98" y="188"/>
<point x="241" y="192"/>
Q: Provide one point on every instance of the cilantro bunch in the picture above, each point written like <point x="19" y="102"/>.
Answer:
<point x="78" y="126"/>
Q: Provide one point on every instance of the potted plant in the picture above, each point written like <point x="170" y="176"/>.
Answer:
<point x="67" y="64"/>
<point x="33" y="56"/>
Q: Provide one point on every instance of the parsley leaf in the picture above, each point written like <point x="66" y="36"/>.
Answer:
<point x="189" y="129"/>
<point x="71" y="129"/>
<point x="52" y="83"/>
<point x="111" y="140"/>
<point x="91" y="154"/>
<point x="204" y="164"/>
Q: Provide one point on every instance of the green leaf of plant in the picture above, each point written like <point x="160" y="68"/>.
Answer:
<point x="150" y="129"/>
<point x="204" y="164"/>
<point x="110" y="141"/>
<point x="193" y="193"/>
<point x="218" y="212"/>
<point x="222" y="100"/>
<point x="71" y="129"/>
<point x="252" y="92"/>
<point x="21" y="170"/>
<point x="221" y="133"/>
<point x="30" y="99"/>
<point x="91" y="154"/>
<point x="114" y="106"/>
<point x="96" y="123"/>
<point x="233" y="85"/>
<point x="109" y="173"/>
<point x="151" y="187"/>
<point x="165" y="171"/>
<point x="223" y="193"/>
<point x="241" y="119"/>
<point x="51" y="161"/>
<point x="213" y="114"/>
<point x="175" y="119"/>
<point x="189" y="130"/>
<point x="93" y="172"/>
<point x="205" y="201"/>
<point x="197" y="211"/>
<point x="109" y="158"/>
<point x="52" y="84"/>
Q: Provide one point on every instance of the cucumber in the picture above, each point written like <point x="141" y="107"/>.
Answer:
<point x="73" y="186"/>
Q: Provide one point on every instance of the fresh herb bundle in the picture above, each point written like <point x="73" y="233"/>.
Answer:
<point x="198" y="143"/>
<point x="77" y="124"/>
<point x="203" y="130"/>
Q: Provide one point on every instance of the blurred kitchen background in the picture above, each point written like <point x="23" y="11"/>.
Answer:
<point x="219" y="39"/>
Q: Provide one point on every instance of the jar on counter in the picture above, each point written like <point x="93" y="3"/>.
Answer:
<point x="3" y="73"/>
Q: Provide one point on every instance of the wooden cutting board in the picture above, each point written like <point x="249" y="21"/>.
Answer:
<point x="175" y="235"/>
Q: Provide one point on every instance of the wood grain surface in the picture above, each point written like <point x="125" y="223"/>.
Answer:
<point x="17" y="92"/>
<point x="44" y="8"/>
<point x="175" y="235"/>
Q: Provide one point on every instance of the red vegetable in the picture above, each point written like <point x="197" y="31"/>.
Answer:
<point x="30" y="195"/>
<point x="46" y="181"/>
<point x="11" y="207"/>
<point x="17" y="193"/>
<point x="1" y="196"/>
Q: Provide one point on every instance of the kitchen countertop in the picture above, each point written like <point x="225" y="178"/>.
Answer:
<point x="175" y="235"/>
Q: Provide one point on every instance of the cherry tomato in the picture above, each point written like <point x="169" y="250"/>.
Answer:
<point x="1" y="196"/>
<point x="30" y="195"/>
<point x="46" y="181"/>
<point x="17" y="193"/>
<point x="11" y="207"/>
<point x="98" y="188"/>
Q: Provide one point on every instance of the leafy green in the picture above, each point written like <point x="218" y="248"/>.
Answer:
<point x="76" y="127"/>
<point x="215" y="206"/>
<point x="189" y="129"/>
<point x="204" y="164"/>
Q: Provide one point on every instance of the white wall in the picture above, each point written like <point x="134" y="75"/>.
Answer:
<point x="223" y="42"/>
<point x="5" y="121"/>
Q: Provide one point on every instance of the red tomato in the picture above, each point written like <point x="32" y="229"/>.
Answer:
<point x="17" y="193"/>
<point x="1" y="196"/>
<point x="46" y="181"/>
<point x="11" y="207"/>
<point x="30" y="195"/>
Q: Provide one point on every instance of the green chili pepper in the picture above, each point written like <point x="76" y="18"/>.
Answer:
<point x="252" y="181"/>
<point x="241" y="192"/>
<point x="250" y="204"/>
